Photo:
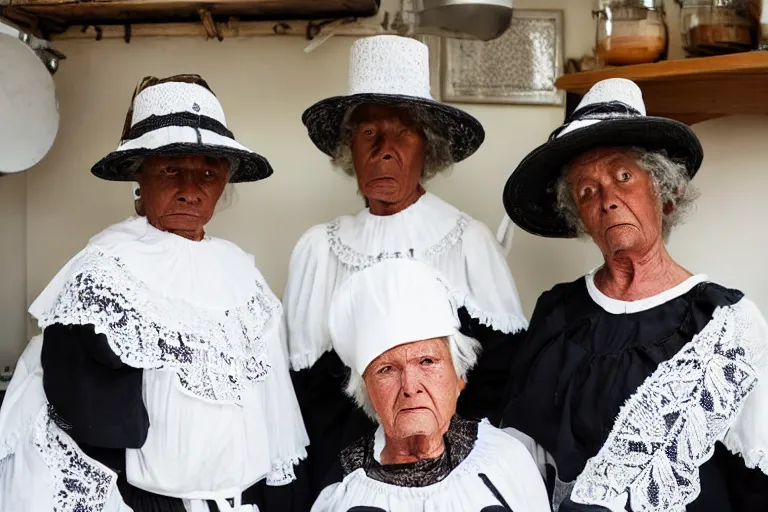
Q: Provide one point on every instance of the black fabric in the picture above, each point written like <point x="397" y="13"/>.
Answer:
<point x="121" y="165"/>
<point x="334" y="421"/>
<point x="529" y="195"/>
<point x="189" y="119"/>
<point x="580" y="364"/>
<point x="97" y="399"/>
<point x="325" y="118"/>
<point x="459" y="441"/>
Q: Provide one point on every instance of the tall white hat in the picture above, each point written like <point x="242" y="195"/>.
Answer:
<point x="179" y="115"/>
<point x="393" y="71"/>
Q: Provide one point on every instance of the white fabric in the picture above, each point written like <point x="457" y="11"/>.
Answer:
<point x="29" y="113"/>
<point x="670" y="425"/>
<point x="41" y="468"/>
<point x="431" y="230"/>
<point x="202" y="322"/>
<point x="174" y="97"/>
<point x="389" y="64"/>
<point x="611" y="89"/>
<point x="500" y="457"/>
<point x="179" y="135"/>
<point x="391" y="303"/>
<point x="619" y="307"/>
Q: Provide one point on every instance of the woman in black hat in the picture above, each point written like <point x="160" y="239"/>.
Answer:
<point x="160" y="382"/>
<point x="640" y="386"/>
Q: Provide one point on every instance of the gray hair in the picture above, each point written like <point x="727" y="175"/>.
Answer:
<point x="671" y="184"/>
<point x="437" y="158"/>
<point x="464" y="352"/>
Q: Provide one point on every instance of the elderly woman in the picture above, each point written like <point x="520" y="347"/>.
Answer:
<point x="160" y="382"/>
<point x="391" y="136"/>
<point x="643" y="386"/>
<point x="396" y="325"/>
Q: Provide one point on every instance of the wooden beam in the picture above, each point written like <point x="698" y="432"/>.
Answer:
<point x="232" y="28"/>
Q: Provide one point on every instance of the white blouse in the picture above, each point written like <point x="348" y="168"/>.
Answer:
<point x="431" y="230"/>
<point x="202" y="323"/>
<point x="496" y="457"/>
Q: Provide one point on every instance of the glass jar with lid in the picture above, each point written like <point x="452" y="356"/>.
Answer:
<point x="716" y="27"/>
<point x="630" y="31"/>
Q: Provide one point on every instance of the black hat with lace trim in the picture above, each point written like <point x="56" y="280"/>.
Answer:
<point x="611" y="114"/>
<point x="178" y="116"/>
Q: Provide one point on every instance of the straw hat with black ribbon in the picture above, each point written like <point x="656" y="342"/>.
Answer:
<point x="611" y="114"/>
<point x="177" y="116"/>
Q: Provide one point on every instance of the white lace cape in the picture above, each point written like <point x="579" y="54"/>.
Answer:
<point x="714" y="389"/>
<point x="201" y="309"/>
<point x="497" y="456"/>
<point x="431" y="230"/>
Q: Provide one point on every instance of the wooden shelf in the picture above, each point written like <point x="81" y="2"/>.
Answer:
<point x="57" y="15"/>
<point x="691" y="90"/>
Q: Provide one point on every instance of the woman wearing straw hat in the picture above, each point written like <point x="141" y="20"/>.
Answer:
<point x="643" y="386"/>
<point x="160" y="382"/>
<point x="396" y="325"/>
<point x="391" y="136"/>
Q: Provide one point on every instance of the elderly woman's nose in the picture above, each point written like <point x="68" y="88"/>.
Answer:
<point x="410" y="383"/>
<point x="188" y="188"/>
<point x="608" y="199"/>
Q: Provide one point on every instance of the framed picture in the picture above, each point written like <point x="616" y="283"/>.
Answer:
<point x="520" y="67"/>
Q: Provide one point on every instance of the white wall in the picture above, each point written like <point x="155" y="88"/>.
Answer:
<point x="266" y="83"/>
<point x="13" y="268"/>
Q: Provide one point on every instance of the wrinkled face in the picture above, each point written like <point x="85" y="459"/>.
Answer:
<point x="179" y="193"/>
<point x="616" y="201"/>
<point x="414" y="388"/>
<point x="387" y="152"/>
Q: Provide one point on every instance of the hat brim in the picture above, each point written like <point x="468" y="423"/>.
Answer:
<point x="529" y="194"/>
<point x="324" y="121"/>
<point x="120" y="165"/>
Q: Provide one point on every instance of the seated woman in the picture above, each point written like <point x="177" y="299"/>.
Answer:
<point x="395" y="325"/>
<point x="645" y="387"/>
<point x="160" y="382"/>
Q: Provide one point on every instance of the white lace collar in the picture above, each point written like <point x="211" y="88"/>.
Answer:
<point x="425" y="229"/>
<point x="165" y="301"/>
<point x="618" y="307"/>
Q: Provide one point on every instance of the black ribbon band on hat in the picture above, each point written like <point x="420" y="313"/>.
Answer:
<point x="599" y="112"/>
<point x="178" y="119"/>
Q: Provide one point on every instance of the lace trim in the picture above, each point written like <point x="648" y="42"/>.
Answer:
<point x="669" y="426"/>
<point x="79" y="484"/>
<point x="283" y="472"/>
<point x="216" y="354"/>
<point x="357" y="261"/>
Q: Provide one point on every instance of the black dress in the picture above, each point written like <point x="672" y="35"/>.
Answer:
<point x="334" y="421"/>
<point x="582" y="363"/>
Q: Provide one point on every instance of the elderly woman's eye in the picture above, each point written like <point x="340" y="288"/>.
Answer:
<point x="384" y="369"/>
<point x="624" y="176"/>
<point x="171" y="171"/>
<point x="209" y="173"/>
<point x="427" y="361"/>
<point x="368" y="132"/>
<point x="585" y="192"/>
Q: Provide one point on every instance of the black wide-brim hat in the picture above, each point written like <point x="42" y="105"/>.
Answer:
<point x="391" y="71"/>
<point x="611" y="114"/>
<point x="177" y="118"/>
